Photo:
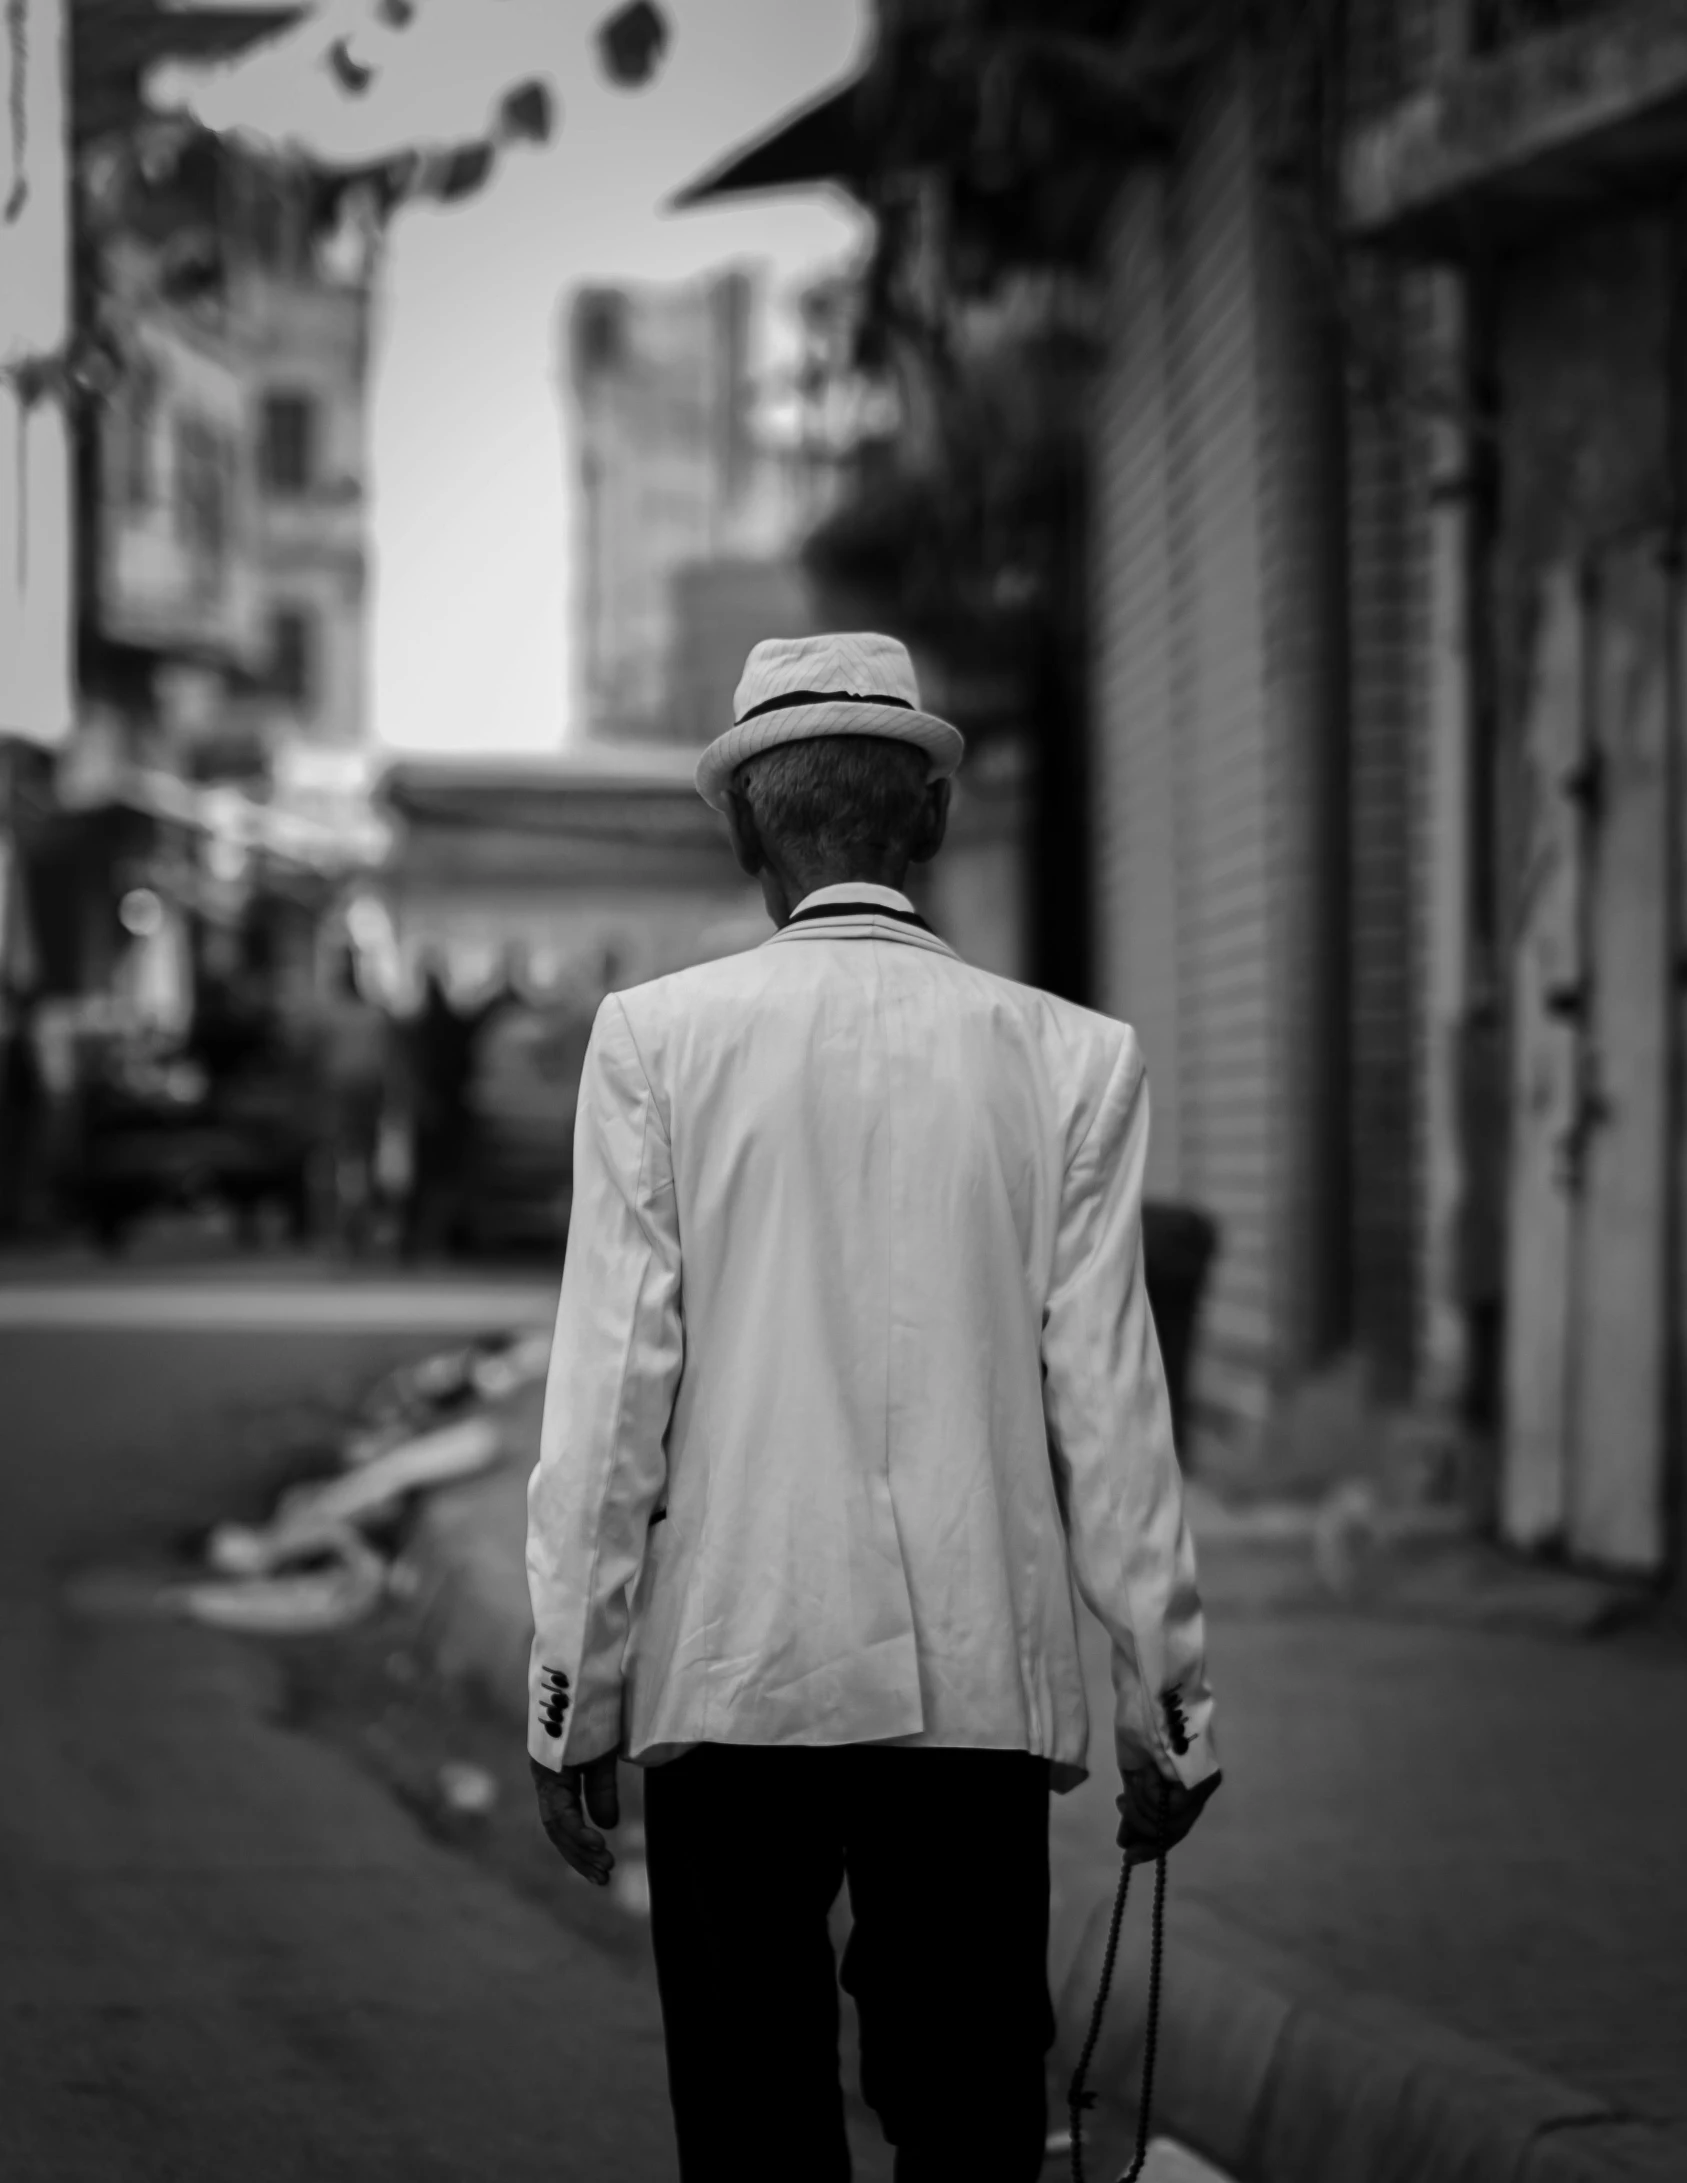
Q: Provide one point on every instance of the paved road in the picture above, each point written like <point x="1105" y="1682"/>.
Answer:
<point x="1483" y="1824"/>
<point x="226" y="1952"/>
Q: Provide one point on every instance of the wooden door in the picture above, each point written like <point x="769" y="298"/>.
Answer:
<point x="1591" y="1198"/>
<point x="1547" y="974"/>
<point x="1615" y="1514"/>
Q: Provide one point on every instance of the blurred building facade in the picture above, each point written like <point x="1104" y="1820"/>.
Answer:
<point x="35" y="492"/>
<point x="602" y="866"/>
<point x="208" y="390"/>
<point x="142" y="849"/>
<point x="183" y="361"/>
<point x="36" y="611"/>
<point x="1514" y="174"/>
<point x="221" y="618"/>
<point x="1218" y="720"/>
<point x="1386" y="737"/>
<point x="689" y="504"/>
<point x="306" y="306"/>
<point x="702" y="472"/>
<point x="35" y="325"/>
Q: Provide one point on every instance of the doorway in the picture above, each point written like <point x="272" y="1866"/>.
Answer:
<point x="1591" y="1201"/>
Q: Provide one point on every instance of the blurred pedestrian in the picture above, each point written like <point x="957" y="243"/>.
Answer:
<point x="354" y="1066"/>
<point x="23" y="1103"/>
<point x="443" y="1042"/>
<point x="233" y="1028"/>
<point x="855" y="1376"/>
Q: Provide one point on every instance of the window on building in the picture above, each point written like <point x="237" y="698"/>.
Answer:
<point x="271" y="227"/>
<point x="140" y="431"/>
<point x="287" y="457"/>
<point x="293" y="655"/>
<point x="201" y="497"/>
<point x="599" y="334"/>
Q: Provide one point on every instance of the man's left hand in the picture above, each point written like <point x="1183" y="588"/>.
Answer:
<point x="1155" y="1813"/>
<point x="567" y="1799"/>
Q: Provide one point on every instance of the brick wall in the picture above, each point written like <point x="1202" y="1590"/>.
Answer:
<point x="1263" y="688"/>
<point x="1232" y="1108"/>
<point x="1216" y="707"/>
<point x="1304" y="572"/>
<point x="1388" y="589"/>
<point x="1136" y="774"/>
<point x="1391" y="47"/>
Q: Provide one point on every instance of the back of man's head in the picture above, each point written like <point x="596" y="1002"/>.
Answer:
<point x="838" y="806"/>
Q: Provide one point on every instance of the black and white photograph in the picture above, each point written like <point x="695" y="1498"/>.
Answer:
<point x="843" y="1091"/>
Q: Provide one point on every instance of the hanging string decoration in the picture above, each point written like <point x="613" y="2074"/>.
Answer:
<point x="352" y="75"/>
<point x="632" y="44"/>
<point x="17" y="47"/>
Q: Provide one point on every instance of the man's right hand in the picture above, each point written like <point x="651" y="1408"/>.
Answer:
<point x="1155" y="1813"/>
<point x="560" y="1813"/>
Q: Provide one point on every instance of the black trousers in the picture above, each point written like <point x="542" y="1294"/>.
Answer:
<point x="946" y="1853"/>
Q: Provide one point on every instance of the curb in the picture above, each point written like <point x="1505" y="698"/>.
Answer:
<point x="1276" y="2075"/>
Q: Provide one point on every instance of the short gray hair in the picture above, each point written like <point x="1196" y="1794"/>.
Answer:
<point x="836" y="797"/>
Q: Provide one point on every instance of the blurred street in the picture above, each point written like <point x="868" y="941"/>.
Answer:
<point x="229" y="1952"/>
<point x="233" y="1946"/>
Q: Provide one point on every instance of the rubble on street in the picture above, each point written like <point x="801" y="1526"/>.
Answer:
<point x="332" y="1548"/>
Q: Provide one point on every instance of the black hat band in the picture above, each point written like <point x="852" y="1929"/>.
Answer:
<point x="790" y="698"/>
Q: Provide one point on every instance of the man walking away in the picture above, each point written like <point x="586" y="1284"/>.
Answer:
<point x="444" y="1043"/>
<point x="854" y="1376"/>
<point x="354" y="1065"/>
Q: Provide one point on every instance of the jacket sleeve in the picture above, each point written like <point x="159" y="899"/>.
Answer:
<point x="1110" y="1439"/>
<point x="615" y="1365"/>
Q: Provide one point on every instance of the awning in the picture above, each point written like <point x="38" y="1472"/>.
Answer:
<point x="821" y="143"/>
<point x="1559" y="125"/>
<point x="222" y="813"/>
<point x="1048" y="218"/>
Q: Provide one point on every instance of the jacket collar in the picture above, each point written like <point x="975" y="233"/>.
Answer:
<point x="855" y="910"/>
<point x="853" y="894"/>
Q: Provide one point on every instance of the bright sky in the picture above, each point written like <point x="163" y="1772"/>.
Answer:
<point x="470" y="520"/>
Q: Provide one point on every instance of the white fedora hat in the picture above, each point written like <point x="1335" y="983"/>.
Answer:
<point x="796" y="688"/>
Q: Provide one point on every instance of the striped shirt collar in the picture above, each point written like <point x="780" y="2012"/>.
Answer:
<point x="859" y="909"/>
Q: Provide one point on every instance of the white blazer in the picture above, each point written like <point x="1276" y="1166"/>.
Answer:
<point x="854" y="1370"/>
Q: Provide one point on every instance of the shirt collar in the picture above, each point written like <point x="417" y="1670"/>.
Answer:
<point x="857" y="911"/>
<point x="855" y="890"/>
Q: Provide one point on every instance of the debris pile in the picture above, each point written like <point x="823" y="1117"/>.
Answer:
<point x="328" y="1554"/>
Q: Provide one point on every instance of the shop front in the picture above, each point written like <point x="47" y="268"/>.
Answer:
<point x="178" y="932"/>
